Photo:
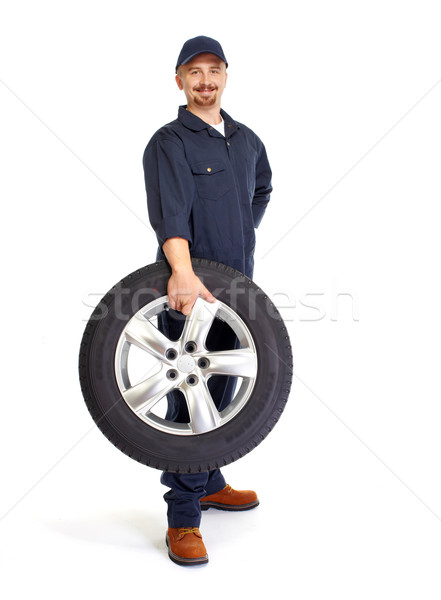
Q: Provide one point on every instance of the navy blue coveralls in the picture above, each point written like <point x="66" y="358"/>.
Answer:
<point x="213" y="191"/>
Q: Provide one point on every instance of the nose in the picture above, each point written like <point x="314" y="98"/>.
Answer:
<point x="205" y="78"/>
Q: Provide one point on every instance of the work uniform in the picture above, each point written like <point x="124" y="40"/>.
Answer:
<point x="213" y="191"/>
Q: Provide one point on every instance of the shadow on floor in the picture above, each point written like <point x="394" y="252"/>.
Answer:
<point x="134" y="528"/>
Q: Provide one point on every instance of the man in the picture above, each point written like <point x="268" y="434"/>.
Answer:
<point x="208" y="182"/>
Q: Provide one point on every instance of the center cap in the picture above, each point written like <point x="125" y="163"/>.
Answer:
<point x="186" y="363"/>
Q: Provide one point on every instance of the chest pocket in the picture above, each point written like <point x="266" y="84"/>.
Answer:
<point x="211" y="179"/>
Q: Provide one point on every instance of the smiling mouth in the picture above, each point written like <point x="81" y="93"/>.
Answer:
<point x="205" y="90"/>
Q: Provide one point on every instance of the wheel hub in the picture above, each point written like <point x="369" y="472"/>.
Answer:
<point x="186" y="363"/>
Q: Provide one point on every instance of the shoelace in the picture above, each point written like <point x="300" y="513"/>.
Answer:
<point x="184" y="530"/>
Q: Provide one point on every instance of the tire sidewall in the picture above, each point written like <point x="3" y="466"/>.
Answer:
<point x="176" y="452"/>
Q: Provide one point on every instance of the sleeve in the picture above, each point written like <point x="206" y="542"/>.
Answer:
<point x="263" y="187"/>
<point x="170" y="190"/>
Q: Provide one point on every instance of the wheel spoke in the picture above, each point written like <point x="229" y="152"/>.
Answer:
<point x="189" y="377"/>
<point x="203" y="412"/>
<point x="241" y="363"/>
<point x="144" y="395"/>
<point x="199" y="322"/>
<point x="142" y="333"/>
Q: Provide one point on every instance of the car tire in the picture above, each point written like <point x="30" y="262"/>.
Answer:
<point x="130" y="410"/>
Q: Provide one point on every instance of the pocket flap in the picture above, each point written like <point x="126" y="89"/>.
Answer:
<point x="208" y="167"/>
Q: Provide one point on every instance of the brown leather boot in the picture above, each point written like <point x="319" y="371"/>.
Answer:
<point x="185" y="546"/>
<point x="229" y="499"/>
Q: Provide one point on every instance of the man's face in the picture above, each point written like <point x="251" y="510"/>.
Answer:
<point x="203" y="80"/>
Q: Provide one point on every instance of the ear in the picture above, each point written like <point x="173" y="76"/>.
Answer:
<point x="179" y="82"/>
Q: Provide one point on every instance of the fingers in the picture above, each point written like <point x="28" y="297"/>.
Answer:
<point x="186" y="309"/>
<point x="207" y="295"/>
<point x="183" y="292"/>
<point x="172" y="302"/>
<point x="185" y="304"/>
<point x="182" y="303"/>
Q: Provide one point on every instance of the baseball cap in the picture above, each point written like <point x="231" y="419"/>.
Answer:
<point x="200" y="45"/>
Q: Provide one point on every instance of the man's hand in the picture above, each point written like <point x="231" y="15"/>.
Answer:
<point x="184" y="286"/>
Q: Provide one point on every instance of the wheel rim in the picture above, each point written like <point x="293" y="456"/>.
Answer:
<point x="186" y="365"/>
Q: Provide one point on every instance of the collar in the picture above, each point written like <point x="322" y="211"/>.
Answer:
<point x="191" y="121"/>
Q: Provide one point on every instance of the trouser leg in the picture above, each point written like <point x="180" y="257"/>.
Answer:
<point x="186" y="490"/>
<point x="171" y="323"/>
<point x="215" y="483"/>
<point x="183" y="499"/>
<point x="221" y="337"/>
<point x="183" y="508"/>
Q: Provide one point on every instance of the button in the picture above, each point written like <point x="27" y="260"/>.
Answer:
<point x="228" y="144"/>
<point x="209" y="169"/>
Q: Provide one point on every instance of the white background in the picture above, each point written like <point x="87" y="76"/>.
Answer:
<point x="346" y="97"/>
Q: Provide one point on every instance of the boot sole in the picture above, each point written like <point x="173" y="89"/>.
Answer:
<point x="229" y="507"/>
<point x="185" y="562"/>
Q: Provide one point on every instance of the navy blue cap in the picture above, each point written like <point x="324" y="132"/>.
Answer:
<point x="200" y="45"/>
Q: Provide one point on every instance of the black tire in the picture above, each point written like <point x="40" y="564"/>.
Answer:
<point x="201" y="451"/>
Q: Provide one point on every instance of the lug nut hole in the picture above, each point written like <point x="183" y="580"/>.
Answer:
<point x="171" y="354"/>
<point x="190" y="347"/>
<point x="192" y="380"/>
<point x="203" y="363"/>
<point x="172" y="374"/>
